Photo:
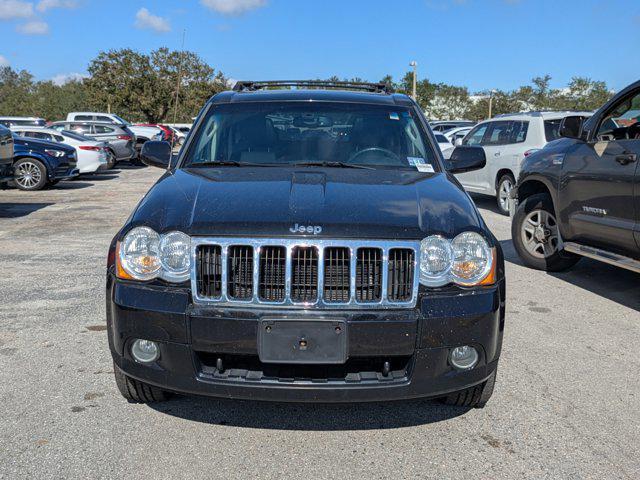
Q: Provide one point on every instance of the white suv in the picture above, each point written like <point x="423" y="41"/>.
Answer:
<point x="507" y="140"/>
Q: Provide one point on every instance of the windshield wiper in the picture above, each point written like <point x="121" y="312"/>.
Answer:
<point x="332" y="164"/>
<point x="228" y="163"/>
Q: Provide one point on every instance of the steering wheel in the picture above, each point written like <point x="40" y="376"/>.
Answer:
<point x="633" y="131"/>
<point x="387" y="153"/>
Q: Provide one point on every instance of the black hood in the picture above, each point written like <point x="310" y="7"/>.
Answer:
<point x="344" y="203"/>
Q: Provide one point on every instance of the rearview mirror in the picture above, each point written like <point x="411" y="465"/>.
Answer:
<point x="156" y="154"/>
<point x="466" y="159"/>
<point x="571" y="127"/>
<point x="458" y="141"/>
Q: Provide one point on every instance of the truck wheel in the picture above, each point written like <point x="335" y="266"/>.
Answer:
<point x="135" y="391"/>
<point x="29" y="174"/>
<point x="534" y="231"/>
<point x="504" y="187"/>
<point x="474" y="397"/>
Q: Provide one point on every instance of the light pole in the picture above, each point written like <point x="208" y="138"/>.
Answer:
<point x="491" y="102"/>
<point x="414" y="64"/>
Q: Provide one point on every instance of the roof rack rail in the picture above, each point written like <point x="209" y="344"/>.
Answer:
<point x="252" y="86"/>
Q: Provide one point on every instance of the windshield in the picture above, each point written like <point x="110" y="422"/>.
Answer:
<point x="350" y="134"/>
<point x="119" y="119"/>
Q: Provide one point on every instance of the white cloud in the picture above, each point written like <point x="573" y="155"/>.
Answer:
<point x="233" y="7"/>
<point x="145" y="19"/>
<point x="33" y="27"/>
<point x="44" y="5"/>
<point x="3" y="61"/>
<point x="63" y="78"/>
<point x="15" y="9"/>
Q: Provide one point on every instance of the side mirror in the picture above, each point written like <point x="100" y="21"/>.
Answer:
<point x="458" y="141"/>
<point x="466" y="159"/>
<point x="156" y="154"/>
<point x="571" y="127"/>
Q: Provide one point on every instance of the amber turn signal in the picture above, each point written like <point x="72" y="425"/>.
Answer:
<point x="492" y="276"/>
<point x="120" y="272"/>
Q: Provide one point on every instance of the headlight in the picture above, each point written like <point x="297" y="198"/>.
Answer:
<point x="472" y="258"/>
<point x="145" y="255"/>
<point x="435" y="261"/>
<point x="175" y="256"/>
<point x="139" y="253"/>
<point x="54" y="153"/>
<point x="466" y="260"/>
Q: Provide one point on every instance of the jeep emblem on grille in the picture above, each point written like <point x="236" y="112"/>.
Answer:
<point x="315" y="229"/>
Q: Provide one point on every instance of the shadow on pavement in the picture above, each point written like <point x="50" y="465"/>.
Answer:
<point x="71" y="185"/>
<point x="313" y="417"/>
<point x="96" y="177"/>
<point x="613" y="283"/>
<point x="16" y="210"/>
<point x="129" y="166"/>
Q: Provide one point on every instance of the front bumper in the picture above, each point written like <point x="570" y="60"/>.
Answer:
<point x="416" y="341"/>
<point x="64" y="173"/>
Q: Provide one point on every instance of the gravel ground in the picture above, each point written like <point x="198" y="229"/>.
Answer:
<point x="567" y="401"/>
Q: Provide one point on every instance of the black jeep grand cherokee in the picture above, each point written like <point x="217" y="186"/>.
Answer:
<point x="307" y="245"/>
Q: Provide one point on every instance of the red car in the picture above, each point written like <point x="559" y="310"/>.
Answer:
<point x="168" y="134"/>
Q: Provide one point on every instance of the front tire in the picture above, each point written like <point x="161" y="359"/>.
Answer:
<point x="474" y="397"/>
<point x="29" y="174"/>
<point x="534" y="231"/>
<point x="135" y="391"/>
<point x="503" y="191"/>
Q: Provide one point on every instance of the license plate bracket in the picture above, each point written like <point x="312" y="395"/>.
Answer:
<point x="317" y="341"/>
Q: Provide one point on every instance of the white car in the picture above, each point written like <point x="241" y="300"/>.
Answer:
<point x="446" y="147"/>
<point x="92" y="155"/>
<point x="457" y="133"/>
<point x="142" y="134"/>
<point x="507" y="140"/>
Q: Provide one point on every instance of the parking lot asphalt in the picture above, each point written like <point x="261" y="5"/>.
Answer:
<point x="566" y="405"/>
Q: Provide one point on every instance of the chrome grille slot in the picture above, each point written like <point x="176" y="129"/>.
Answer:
<point x="337" y="271"/>
<point x="309" y="272"/>
<point x="240" y="272"/>
<point x="369" y="275"/>
<point x="304" y="274"/>
<point x="209" y="267"/>
<point x="401" y="269"/>
<point x="273" y="261"/>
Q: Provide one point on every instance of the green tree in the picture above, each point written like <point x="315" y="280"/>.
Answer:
<point x="16" y="92"/>
<point x="143" y="87"/>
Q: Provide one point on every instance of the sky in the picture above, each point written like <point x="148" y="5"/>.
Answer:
<point x="481" y="44"/>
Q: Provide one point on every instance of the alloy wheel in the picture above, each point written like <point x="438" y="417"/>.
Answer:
<point x="28" y="175"/>
<point x="503" y="194"/>
<point x="539" y="233"/>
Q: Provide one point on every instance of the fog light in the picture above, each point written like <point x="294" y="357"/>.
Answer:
<point x="464" y="358"/>
<point x="145" y="351"/>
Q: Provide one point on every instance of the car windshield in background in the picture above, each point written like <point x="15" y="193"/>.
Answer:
<point x="340" y="134"/>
